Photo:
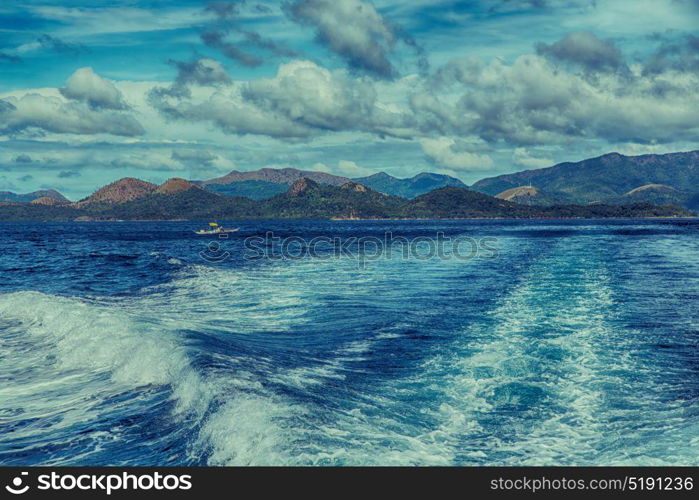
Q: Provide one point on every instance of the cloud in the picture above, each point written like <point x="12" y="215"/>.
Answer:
<point x="533" y="102"/>
<point x="26" y="178"/>
<point x="216" y="39"/>
<point x="448" y="153"/>
<point x="523" y="158"/>
<point x="204" y="71"/>
<point x="34" y="112"/>
<point x="217" y="36"/>
<point x="194" y="156"/>
<point x="302" y="100"/>
<point x="7" y="184"/>
<point x="585" y="50"/>
<point x="351" y="169"/>
<point x="23" y="159"/>
<point x="315" y="97"/>
<point x="85" y="85"/>
<point x="68" y="174"/>
<point x="344" y="168"/>
<point x="353" y="29"/>
<point x="225" y="9"/>
<point x="226" y="109"/>
<point x="681" y="55"/>
<point x="9" y="58"/>
<point x="518" y="5"/>
<point x="57" y="45"/>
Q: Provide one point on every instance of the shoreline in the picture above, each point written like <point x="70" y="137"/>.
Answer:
<point x="403" y="219"/>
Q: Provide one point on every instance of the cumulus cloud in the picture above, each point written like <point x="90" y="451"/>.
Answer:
<point x="586" y="50"/>
<point x="533" y="102"/>
<point x="87" y="86"/>
<point x="353" y="29"/>
<point x="34" y="112"/>
<point x="226" y="109"/>
<point x="204" y="71"/>
<point x="448" y="153"/>
<point x="301" y="100"/>
<point x="306" y="93"/>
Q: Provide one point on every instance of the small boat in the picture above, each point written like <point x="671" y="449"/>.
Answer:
<point x="216" y="229"/>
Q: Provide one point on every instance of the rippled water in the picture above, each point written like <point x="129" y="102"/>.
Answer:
<point x="577" y="345"/>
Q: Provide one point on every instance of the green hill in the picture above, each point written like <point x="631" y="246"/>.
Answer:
<point x="178" y="199"/>
<point x="255" y="190"/>
<point x="410" y="187"/>
<point x="604" y="179"/>
<point x="308" y="199"/>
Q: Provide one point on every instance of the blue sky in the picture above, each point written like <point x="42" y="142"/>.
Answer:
<point x="94" y="91"/>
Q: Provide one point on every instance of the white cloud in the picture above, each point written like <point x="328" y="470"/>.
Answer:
<point x="445" y="152"/>
<point x="523" y="158"/>
<point x="300" y="101"/>
<point x="87" y="86"/>
<point x="306" y="93"/>
<point x="34" y="113"/>
<point x="350" y="169"/>
<point x="344" y="168"/>
<point x="352" y="29"/>
<point x="531" y="102"/>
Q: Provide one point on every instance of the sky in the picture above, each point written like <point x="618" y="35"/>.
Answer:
<point x="93" y="91"/>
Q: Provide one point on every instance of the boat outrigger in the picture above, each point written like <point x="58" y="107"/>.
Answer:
<point x="216" y="229"/>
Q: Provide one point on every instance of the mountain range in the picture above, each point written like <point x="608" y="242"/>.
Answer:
<point x="267" y="182"/>
<point x="179" y="199"/>
<point x="8" y="197"/>
<point x="606" y="181"/>
<point x="612" y="178"/>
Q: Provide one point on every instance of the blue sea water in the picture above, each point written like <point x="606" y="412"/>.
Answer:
<point x="578" y="344"/>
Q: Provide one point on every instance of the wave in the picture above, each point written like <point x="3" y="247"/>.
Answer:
<point x="300" y="363"/>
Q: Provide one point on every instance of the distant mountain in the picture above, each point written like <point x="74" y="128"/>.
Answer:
<point x="308" y="199"/>
<point x="175" y="185"/>
<point x="121" y="191"/>
<point x="278" y="176"/>
<point x="178" y="199"/>
<point x="28" y="197"/>
<point x="658" y="194"/>
<point x="410" y="187"/>
<point x="172" y="200"/>
<point x="454" y="202"/>
<point x="255" y="190"/>
<point x="529" y="195"/>
<point x="451" y="202"/>
<point x="603" y="179"/>
<point x="268" y="182"/>
<point x="46" y="200"/>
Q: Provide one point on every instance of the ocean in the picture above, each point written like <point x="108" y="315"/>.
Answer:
<point x="551" y="343"/>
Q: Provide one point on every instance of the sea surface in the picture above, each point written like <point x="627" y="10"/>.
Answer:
<point x="574" y="343"/>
